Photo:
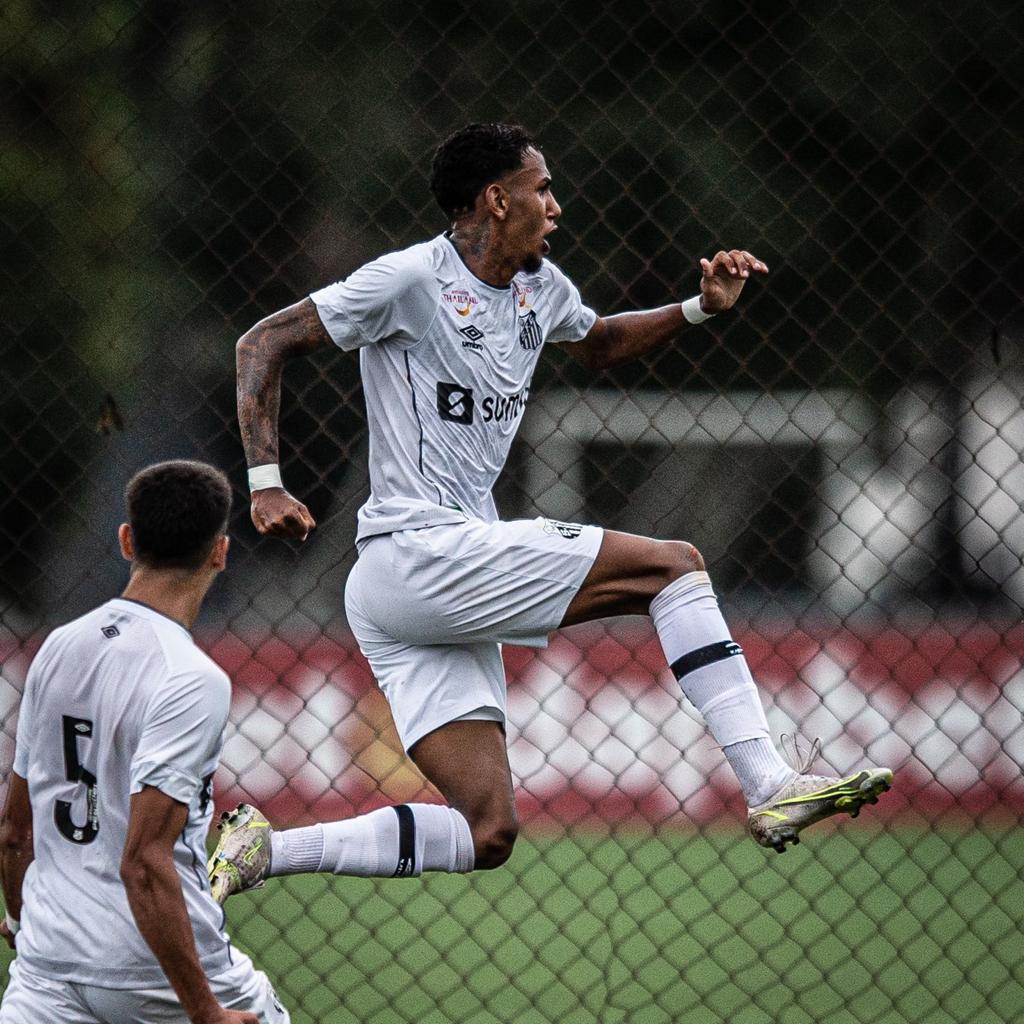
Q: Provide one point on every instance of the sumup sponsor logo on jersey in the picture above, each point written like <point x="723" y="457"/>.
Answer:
<point x="456" y="404"/>
<point x="503" y="408"/>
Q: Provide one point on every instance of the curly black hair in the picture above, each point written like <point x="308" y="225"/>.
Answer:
<point x="176" y="510"/>
<point x="473" y="157"/>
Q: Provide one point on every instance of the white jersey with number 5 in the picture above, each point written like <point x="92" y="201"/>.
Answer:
<point x="446" y="362"/>
<point x="116" y="700"/>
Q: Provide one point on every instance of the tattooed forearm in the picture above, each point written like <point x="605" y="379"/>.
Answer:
<point x="626" y="336"/>
<point x="260" y="356"/>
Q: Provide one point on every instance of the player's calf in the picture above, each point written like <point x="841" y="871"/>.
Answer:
<point x="493" y="843"/>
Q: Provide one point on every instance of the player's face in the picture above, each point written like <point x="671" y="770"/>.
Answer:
<point x="532" y="211"/>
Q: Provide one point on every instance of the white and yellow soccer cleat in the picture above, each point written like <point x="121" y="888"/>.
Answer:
<point x="241" y="859"/>
<point x="806" y="799"/>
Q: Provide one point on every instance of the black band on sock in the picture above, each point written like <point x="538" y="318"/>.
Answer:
<point x="406" y="842"/>
<point x="705" y="656"/>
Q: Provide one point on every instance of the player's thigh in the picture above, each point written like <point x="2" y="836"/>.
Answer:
<point x="32" y="999"/>
<point x="509" y="582"/>
<point x="428" y="686"/>
<point x="628" y="572"/>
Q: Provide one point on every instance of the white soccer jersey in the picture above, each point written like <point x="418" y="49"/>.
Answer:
<point x="116" y="700"/>
<point x="446" y="362"/>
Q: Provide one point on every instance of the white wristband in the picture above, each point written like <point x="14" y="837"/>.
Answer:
<point x="13" y="926"/>
<point x="262" y="477"/>
<point x="693" y="313"/>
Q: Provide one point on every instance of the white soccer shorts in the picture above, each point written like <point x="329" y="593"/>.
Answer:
<point x="431" y="607"/>
<point x="34" y="999"/>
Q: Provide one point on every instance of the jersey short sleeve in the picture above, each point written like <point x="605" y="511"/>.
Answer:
<point x="571" y="320"/>
<point x="181" y="735"/>
<point x="392" y="298"/>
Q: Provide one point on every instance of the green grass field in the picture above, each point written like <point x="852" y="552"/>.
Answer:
<point x="854" y="925"/>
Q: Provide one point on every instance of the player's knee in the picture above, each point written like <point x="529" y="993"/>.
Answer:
<point x="679" y="558"/>
<point x="493" y="843"/>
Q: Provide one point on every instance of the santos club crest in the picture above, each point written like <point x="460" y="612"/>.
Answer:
<point x="529" y="331"/>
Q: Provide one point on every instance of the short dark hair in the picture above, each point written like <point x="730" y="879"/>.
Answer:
<point x="176" y="510"/>
<point x="471" y="158"/>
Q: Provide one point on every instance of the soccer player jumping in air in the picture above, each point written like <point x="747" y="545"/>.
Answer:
<point x="449" y="333"/>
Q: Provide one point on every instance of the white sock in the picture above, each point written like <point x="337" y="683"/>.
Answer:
<point x="715" y="677"/>
<point x="393" y="841"/>
<point x="760" y="770"/>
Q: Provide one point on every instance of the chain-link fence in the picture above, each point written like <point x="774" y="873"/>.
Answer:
<point x="844" y="449"/>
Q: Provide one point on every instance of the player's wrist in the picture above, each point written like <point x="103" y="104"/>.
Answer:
<point x="694" y="312"/>
<point x="13" y="925"/>
<point x="210" y="1013"/>
<point x="262" y="477"/>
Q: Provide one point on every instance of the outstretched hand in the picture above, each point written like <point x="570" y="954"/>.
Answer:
<point x="275" y="512"/>
<point x="724" y="276"/>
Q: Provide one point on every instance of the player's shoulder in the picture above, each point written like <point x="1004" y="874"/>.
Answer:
<point x="189" y="675"/>
<point x="184" y="657"/>
<point x="140" y="632"/>
<point x="419" y="263"/>
<point x="83" y="629"/>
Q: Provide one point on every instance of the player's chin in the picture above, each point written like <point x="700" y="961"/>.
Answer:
<point x="535" y="260"/>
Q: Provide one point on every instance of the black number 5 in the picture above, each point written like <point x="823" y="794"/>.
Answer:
<point x="76" y="772"/>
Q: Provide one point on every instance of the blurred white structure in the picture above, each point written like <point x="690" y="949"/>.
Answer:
<point x="891" y="478"/>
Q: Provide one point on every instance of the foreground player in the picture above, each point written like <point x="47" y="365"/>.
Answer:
<point x="449" y="333"/>
<point x="104" y="831"/>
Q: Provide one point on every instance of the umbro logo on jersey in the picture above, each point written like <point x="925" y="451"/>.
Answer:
<point x="529" y="331"/>
<point x="455" y="403"/>
<point x="473" y="336"/>
<point x="110" y="631"/>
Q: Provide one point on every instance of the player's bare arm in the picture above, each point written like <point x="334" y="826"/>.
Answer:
<point x="16" y="852"/>
<point x="626" y="336"/>
<point x="155" y="897"/>
<point x="260" y="358"/>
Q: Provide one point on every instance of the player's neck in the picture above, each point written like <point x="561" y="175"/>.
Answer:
<point x="175" y="594"/>
<point x="481" y="250"/>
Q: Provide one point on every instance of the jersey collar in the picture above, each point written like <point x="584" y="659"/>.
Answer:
<point x="133" y="607"/>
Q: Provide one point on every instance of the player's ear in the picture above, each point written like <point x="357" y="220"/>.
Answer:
<point x="127" y="542"/>
<point x="496" y="200"/>
<point x="219" y="552"/>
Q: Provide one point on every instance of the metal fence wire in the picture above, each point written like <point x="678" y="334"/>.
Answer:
<point x="845" y="449"/>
